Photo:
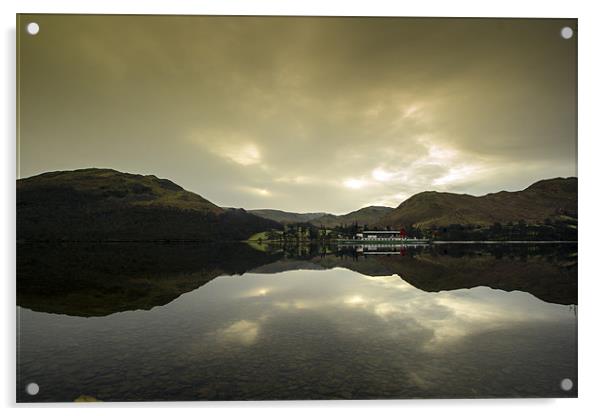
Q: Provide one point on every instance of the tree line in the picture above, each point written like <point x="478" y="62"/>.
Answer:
<point x="564" y="229"/>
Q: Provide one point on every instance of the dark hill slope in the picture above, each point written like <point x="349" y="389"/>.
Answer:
<point x="546" y="199"/>
<point x="104" y="204"/>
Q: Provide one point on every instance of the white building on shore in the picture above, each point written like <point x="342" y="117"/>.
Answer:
<point x="379" y="235"/>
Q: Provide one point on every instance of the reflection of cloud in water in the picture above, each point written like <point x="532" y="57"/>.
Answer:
<point x="356" y="300"/>
<point x="447" y="316"/>
<point x="243" y="332"/>
<point x="296" y="304"/>
<point x="392" y="282"/>
<point x="316" y="334"/>
<point x="258" y="292"/>
<point x="454" y="315"/>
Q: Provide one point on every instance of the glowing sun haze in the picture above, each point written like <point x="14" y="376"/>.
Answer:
<point x="301" y="114"/>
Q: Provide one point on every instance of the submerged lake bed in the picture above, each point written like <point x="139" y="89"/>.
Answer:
<point x="148" y="322"/>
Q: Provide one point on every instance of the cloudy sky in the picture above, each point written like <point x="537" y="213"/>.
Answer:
<point x="301" y="114"/>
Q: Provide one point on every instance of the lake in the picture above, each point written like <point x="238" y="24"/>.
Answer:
<point x="149" y="321"/>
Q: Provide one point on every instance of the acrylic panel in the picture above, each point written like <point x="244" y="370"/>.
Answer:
<point x="295" y="208"/>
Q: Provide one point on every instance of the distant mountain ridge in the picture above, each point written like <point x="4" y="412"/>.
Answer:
<point x="546" y="199"/>
<point x="367" y="215"/>
<point x="363" y="216"/>
<point x="104" y="204"/>
<point x="285" y="217"/>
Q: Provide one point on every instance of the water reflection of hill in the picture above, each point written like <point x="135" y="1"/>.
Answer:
<point x="548" y="278"/>
<point x="548" y="272"/>
<point x="101" y="279"/>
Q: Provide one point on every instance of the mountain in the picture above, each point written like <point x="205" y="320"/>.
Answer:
<point x="367" y="215"/>
<point x="104" y="204"/>
<point x="284" y="217"/>
<point x="546" y="199"/>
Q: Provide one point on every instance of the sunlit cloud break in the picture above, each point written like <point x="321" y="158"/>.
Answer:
<point x="246" y="154"/>
<point x="381" y="175"/>
<point x="257" y="191"/>
<point x="352" y="183"/>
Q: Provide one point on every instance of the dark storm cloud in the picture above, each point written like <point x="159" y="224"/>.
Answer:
<point x="304" y="114"/>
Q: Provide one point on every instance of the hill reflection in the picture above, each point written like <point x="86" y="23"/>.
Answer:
<point x="102" y="279"/>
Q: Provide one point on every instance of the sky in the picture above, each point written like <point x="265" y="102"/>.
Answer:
<point x="301" y="114"/>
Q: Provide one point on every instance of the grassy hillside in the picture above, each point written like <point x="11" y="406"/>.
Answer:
<point x="104" y="204"/>
<point x="547" y="199"/>
<point x="110" y="187"/>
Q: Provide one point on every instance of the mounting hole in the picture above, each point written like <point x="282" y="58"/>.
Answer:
<point x="566" y="32"/>
<point x="566" y="384"/>
<point x="32" y="389"/>
<point x="33" y="28"/>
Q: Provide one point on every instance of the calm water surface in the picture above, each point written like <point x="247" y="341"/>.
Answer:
<point x="191" y="322"/>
